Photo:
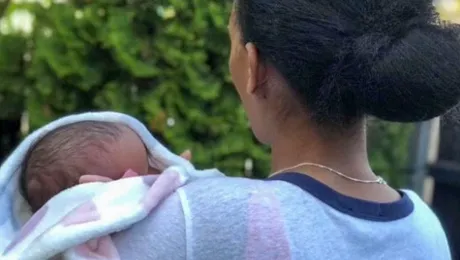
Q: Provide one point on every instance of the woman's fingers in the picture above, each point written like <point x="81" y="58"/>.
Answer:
<point x="97" y="178"/>
<point x="93" y="178"/>
<point x="129" y="173"/>
<point x="187" y="154"/>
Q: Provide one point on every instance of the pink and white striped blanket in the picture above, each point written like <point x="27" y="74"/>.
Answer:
<point x="77" y="223"/>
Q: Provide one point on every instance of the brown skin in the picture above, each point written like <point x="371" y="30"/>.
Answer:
<point x="293" y="138"/>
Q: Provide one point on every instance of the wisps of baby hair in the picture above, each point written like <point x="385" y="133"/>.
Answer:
<point x="57" y="161"/>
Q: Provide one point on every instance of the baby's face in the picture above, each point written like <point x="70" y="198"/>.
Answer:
<point x="128" y="153"/>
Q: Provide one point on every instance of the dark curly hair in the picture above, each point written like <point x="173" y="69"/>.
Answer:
<point x="392" y="59"/>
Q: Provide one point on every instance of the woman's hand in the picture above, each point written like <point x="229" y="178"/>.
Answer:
<point x="97" y="178"/>
<point x="187" y="155"/>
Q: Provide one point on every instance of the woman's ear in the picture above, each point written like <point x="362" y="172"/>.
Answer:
<point x="256" y="69"/>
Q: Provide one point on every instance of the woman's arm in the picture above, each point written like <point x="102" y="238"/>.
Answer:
<point x="209" y="219"/>
<point x="160" y="236"/>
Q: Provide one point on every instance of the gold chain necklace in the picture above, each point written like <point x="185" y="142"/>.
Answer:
<point x="378" y="180"/>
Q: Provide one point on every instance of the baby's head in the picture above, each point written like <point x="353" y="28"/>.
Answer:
<point x="57" y="161"/>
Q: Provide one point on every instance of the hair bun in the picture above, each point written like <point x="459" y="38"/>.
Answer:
<point x="416" y="78"/>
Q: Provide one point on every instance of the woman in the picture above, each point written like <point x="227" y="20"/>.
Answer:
<point x="308" y="74"/>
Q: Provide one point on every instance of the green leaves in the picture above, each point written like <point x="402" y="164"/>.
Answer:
<point x="389" y="149"/>
<point x="164" y="62"/>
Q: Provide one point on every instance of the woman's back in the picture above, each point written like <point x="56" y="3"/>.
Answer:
<point x="234" y="218"/>
<point x="309" y="73"/>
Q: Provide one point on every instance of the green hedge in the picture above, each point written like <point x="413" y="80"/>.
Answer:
<point x="164" y="62"/>
<point x="389" y="150"/>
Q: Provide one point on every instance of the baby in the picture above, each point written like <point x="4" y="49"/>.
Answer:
<point x="59" y="159"/>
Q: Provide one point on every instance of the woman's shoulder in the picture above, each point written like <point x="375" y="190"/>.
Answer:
<point x="224" y="182"/>
<point x="220" y="214"/>
<point x="233" y="189"/>
<point x="207" y="215"/>
<point x="219" y="196"/>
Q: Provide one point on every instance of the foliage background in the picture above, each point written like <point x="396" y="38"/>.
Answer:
<point x="164" y="62"/>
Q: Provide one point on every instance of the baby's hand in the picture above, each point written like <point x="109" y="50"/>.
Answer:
<point x="97" y="178"/>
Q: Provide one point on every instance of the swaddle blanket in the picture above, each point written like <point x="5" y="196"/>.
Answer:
<point x="77" y="223"/>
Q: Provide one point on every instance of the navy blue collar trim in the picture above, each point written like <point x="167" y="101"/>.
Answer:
<point x="351" y="206"/>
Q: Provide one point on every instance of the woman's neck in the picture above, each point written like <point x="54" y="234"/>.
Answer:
<point x="345" y="152"/>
